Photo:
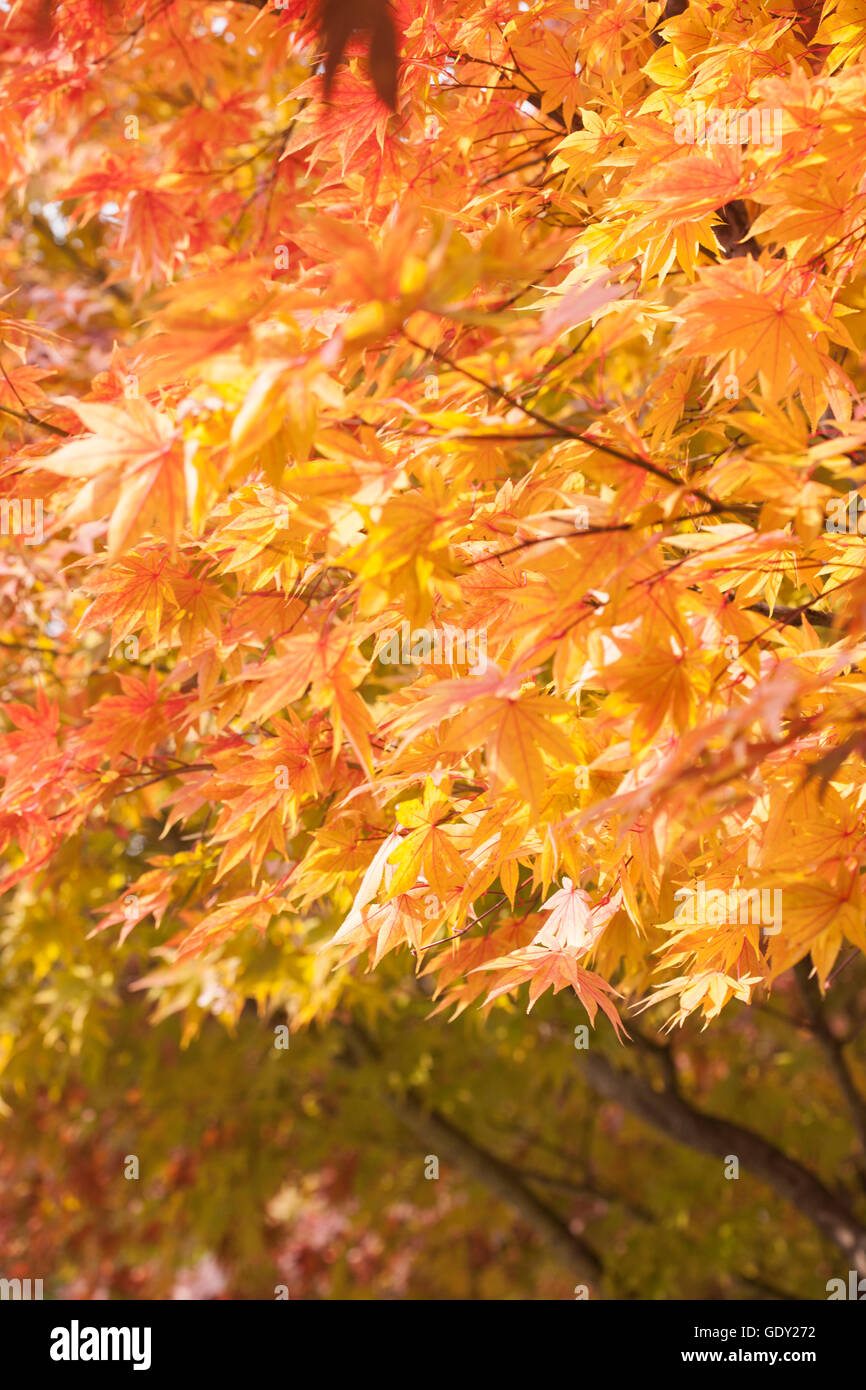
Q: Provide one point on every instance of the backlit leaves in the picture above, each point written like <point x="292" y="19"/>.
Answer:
<point x="433" y="483"/>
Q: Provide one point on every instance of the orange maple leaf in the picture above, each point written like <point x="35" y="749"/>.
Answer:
<point x="547" y="969"/>
<point x="135" y="465"/>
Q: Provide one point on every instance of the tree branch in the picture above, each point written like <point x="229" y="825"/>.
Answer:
<point x="786" y="616"/>
<point x="832" y="1049"/>
<point x="582" y="1189"/>
<point x="565" y="431"/>
<point x="30" y="419"/>
<point x="678" y="1120"/>
<point x="74" y="256"/>
<point x="444" y="1138"/>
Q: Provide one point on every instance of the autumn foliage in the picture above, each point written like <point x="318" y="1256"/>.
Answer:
<point x="445" y="424"/>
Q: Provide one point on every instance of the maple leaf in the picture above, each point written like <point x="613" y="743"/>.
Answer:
<point x="573" y="922"/>
<point x="344" y="128"/>
<point x="709" y="991"/>
<point x="149" y="896"/>
<point x="694" y="185"/>
<point x="261" y="794"/>
<point x="134" y="461"/>
<point x="557" y="969"/>
<point x="749" y="321"/>
<point x="810" y="216"/>
<point x="132" y="597"/>
<point x="551" y="66"/>
<point x="404" y="920"/>
<point x="141" y="719"/>
<point x="155" y="225"/>
<point x="817" y="916"/>
<point x="221" y="924"/>
<point x="457" y="965"/>
<point x="31" y="756"/>
<point x="579" y="303"/>
<point x="426" y="851"/>
<point x="369" y="887"/>
<point x="513" y="727"/>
